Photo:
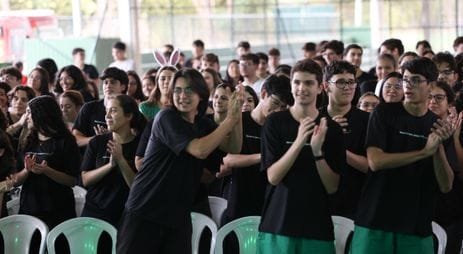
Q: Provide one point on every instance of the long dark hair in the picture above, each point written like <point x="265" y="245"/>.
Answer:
<point x="47" y="118"/>
<point x="76" y="74"/>
<point x="44" y="80"/>
<point x="138" y="95"/>
<point x="393" y="74"/>
<point x="129" y="106"/>
<point x="197" y="83"/>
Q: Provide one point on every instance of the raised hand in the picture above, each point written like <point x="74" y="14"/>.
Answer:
<point x="115" y="149"/>
<point x="318" y="137"/>
<point x="306" y="127"/>
<point x="236" y="102"/>
<point x="100" y="129"/>
<point x="342" y="121"/>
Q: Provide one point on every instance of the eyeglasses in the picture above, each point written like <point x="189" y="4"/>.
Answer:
<point x="446" y="72"/>
<point x="393" y="86"/>
<point x="413" y="81"/>
<point x="437" y="97"/>
<point x="342" y="83"/>
<point x="246" y="64"/>
<point x="188" y="91"/>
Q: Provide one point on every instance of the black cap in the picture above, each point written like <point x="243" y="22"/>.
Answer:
<point x="115" y="73"/>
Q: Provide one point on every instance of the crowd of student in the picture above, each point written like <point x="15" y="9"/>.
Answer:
<point x="293" y="144"/>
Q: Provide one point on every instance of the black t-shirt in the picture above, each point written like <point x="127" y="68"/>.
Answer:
<point x="401" y="199"/>
<point x="43" y="197"/>
<point x="166" y="185"/>
<point x="247" y="185"/>
<point x="345" y="200"/>
<point x="91" y="71"/>
<point x="105" y="199"/>
<point x="449" y="206"/>
<point x="88" y="114"/>
<point x="144" y="139"/>
<point x="298" y="206"/>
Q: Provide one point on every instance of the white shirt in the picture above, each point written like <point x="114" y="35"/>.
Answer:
<point x="257" y="86"/>
<point x="125" y="65"/>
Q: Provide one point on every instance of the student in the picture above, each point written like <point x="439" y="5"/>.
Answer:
<point x="108" y="167"/>
<point x="89" y="70"/>
<point x="39" y="80"/>
<point x="157" y="213"/>
<point x="248" y="69"/>
<point x="210" y="60"/>
<point x="391" y="88"/>
<point x="232" y="74"/>
<point x="91" y="118"/>
<point x="11" y="76"/>
<point x="408" y="168"/>
<point x="51" y="165"/>
<point x="368" y="102"/>
<point x="250" y="99"/>
<point x="302" y="155"/>
<point x="246" y="189"/>
<point x="407" y="56"/>
<point x="421" y="46"/>
<point x="159" y="96"/>
<point x="134" y="87"/>
<point x="71" y="78"/>
<point x="447" y="68"/>
<point x="309" y="50"/>
<point x="120" y="59"/>
<point x="332" y="51"/>
<point x="385" y="64"/>
<point x="340" y="86"/>
<point x="243" y="48"/>
<point x="449" y="207"/>
<point x="70" y="103"/>
<point x="458" y="45"/>
<point x="263" y="66"/>
<point x="274" y="57"/>
<point x="353" y="54"/>
<point x="197" y="52"/>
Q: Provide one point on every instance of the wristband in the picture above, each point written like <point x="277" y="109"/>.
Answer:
<point x="317" y="158"/>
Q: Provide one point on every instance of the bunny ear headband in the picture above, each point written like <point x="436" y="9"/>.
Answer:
<point x="161" y="60"/>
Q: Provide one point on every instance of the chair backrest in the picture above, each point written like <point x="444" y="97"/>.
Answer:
<point x="82" y="234"/>
<point x="17" y="231"/>
<point x="441" y="236"/>
<point x="343" y="227"/>
<point x="199" y="222"/>
<point x="246" y="230"/>
<point x="13" y="206"/>
<point x="218" y="206"/>
<point x="79" y="197"/>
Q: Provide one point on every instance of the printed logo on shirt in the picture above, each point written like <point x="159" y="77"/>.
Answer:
<point x="252" y="137"/>
<point x="291" y="142"/>
<point x="413" y="135"/>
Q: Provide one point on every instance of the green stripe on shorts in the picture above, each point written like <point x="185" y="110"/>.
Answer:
<point x="277" y="244"/>
<point x="366" y="241"/>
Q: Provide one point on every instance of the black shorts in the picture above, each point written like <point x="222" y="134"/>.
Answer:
<point x="139" y="235"/>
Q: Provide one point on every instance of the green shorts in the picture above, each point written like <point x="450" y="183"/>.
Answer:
<point x="271" y="243"/>
<point x="367" y="241"/>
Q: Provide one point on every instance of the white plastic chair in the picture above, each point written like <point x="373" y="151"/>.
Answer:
<point x="79" y="197"/>
<point x="342" y="229"/>
<point x="82" y="234"/>
<point x="246" y="230"/>
<point x="17" y="231"/>
<point x="441" y="236"/>
<point x="218" y="206"/>
<point x="199" y="222"/>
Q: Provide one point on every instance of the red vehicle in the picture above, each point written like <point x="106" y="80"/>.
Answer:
<point x="16" y="26"/>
